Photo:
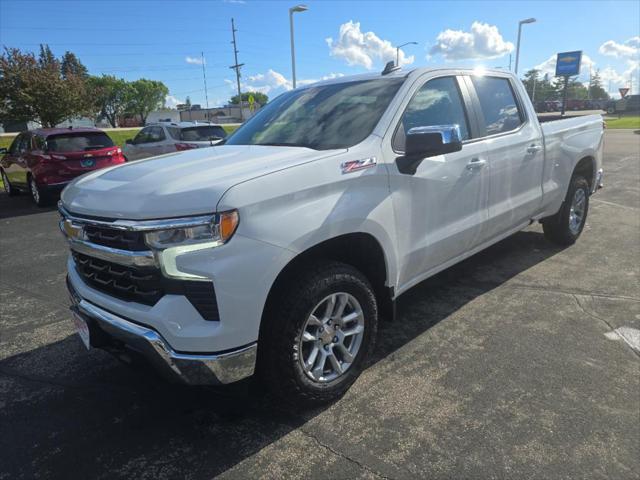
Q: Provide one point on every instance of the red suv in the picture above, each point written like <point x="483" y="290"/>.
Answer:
<point x="45" y="160"/>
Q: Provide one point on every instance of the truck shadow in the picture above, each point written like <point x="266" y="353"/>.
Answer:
<point x="67" y="412"/>
<point x="21" y="205"/>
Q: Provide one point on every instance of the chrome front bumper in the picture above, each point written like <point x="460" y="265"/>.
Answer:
<point x="109" y="330"/>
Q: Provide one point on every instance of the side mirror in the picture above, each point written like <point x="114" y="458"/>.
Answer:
<point x="3" y="150"/>
<point x="423" y="142"/>
<point x="129" y="141"/>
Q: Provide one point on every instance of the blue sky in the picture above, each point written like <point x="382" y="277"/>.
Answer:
<point x="163" y="40"/>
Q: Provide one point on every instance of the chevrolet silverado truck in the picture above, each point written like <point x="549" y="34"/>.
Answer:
<point x="277" y="252"/>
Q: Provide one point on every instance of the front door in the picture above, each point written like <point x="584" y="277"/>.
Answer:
<point x="441" y="209"/>
<point x="14" y="162"/>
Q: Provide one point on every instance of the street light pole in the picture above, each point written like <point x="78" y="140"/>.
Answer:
<point x="292" y="10"/>
<point x="398" y="51"/>
<point x="520" y="23"/>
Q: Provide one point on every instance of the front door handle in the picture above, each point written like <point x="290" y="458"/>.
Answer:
<point x="476" y="163"/>
<point x="533" y="148"/>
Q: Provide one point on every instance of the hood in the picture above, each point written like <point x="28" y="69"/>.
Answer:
<point x="178" y="184"/>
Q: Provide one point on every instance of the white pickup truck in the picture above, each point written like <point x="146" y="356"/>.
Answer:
<point x="277" y="252"/>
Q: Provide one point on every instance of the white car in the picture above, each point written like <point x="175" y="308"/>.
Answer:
<point x="279" y="250"/>
<point x="164" y="137"/>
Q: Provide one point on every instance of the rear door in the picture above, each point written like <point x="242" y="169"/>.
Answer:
<point x="515" y="150"/>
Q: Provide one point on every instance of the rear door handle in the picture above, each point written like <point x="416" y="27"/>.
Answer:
<point x="533" y="148"/>
<point x="476" y="163"/>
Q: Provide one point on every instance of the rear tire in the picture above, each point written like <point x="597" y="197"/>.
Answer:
<point x="8" y="188"/>
<point x="565" y="227"/>
<point x="40" y="197"/>
<point x="328" y="308"/>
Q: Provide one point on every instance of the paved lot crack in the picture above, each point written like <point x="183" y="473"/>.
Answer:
<point x="342" y="455"/>
<point x="603" y="320"/>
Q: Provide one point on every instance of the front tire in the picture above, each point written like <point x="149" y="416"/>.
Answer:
<point x="565" y="227"/>
<point x="8" y="188"/>
<point x="318" y="334"/>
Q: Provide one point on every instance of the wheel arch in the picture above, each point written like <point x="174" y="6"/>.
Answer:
<point x="360" y="250"/>
<point x="586" y="167"/>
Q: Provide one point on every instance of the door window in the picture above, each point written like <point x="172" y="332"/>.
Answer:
<point x="15" y="145"/>
<point x="149" y="135"/>
<point x="156" y="134"/>
<point x="142" y="136"/>
<point x="437" y="102"/>
<point x="498" y="104"/>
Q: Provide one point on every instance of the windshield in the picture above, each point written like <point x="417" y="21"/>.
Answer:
<point x="78" y="142"/>
<point x="327" y="116"/>
<point x="203" y="133"/>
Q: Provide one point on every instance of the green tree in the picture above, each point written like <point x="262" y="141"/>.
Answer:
<point x="259" y="97"/>
<point x="71" y="65"/>
<point x="146" y="96"/>
<point x="111" y="97"/>
<point x="35" y="89"/>
<point x="596" y="90"/>
<point x="530" y="82"/>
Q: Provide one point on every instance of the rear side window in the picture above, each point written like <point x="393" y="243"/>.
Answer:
<point x="78" y="142"/>
<point x="437" y="102"/>
<point x="498" y="104"/>
<point x="203" y="133"/>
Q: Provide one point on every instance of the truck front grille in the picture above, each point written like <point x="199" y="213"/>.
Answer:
<point x="144" y="285"/>
<point x="115" y="238"/>
<point x="127" y="283"/>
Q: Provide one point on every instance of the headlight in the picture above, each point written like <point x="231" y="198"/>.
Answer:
<point x="172" y="242"/>
<point x="216" y="232"/>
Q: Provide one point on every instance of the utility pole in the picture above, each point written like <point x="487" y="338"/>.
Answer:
<point x="204" y="76"/>
<point x="509" y="62"/>
<point x="237" y="65"/>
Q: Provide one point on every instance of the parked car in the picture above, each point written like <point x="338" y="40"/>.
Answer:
<point x="630" y="104"/>
<point x="163" y="137"/>
<point x="548" y="106"/>
<point x="279" y="251"/>
<point x="45" y="160"/>
<point x="576" y="104"/>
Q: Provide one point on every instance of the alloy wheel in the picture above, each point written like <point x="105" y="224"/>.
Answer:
<point x="331" y="337"/>
<point x="34" y="190"/>
<point x="576" y="213"/>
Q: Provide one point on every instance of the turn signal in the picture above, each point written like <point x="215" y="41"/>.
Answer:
<point x="228" y="224"/>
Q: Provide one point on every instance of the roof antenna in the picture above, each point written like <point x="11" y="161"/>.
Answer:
<point x="390" y="67"/>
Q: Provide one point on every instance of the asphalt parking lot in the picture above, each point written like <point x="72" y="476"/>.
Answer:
<point x="517" y="363"/>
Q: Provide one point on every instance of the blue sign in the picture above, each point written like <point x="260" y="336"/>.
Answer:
<point x="568" y="64"/>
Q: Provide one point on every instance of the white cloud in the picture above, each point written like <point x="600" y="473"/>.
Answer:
<point x="363" y="48"/>
<point x="483" y="41"/>
<point x="194" y="60"/>
<point x="275" y="82"/>
<point x="171" y="102"/>
<point x="630" y="48"/>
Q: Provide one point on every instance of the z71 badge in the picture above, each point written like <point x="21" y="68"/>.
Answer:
<point x="355" y="165"/>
